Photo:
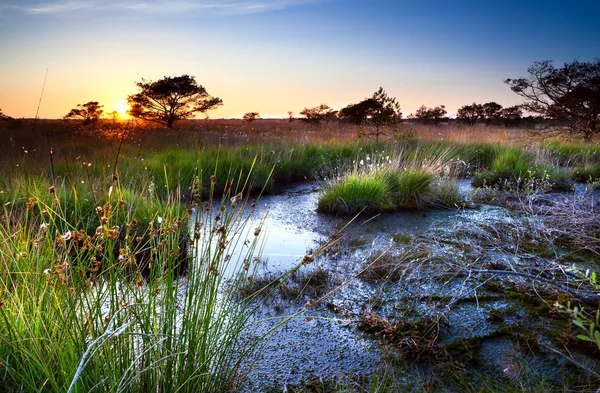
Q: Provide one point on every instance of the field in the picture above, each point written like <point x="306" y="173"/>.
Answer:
<point x="135" y="259"/>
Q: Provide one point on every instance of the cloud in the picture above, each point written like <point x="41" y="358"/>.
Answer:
<point x="188" y="7"/>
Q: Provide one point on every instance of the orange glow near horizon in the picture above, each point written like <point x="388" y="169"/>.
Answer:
<point x="122" y="107"/>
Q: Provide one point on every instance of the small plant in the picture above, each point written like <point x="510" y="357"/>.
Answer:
<point x="588" y="322"/>
<point x="401" y="238"/>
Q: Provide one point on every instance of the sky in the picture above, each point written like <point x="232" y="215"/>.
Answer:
<point x="275" y="56"/>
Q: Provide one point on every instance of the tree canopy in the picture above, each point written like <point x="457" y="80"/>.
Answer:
<point x="570" y="93"/>
<point x="88" y="113"/>
<point x="251" y="116"/>
<point x="361" y="112"/>
<point x="379" y="110"/>
<point x="4" y="117"/>
<point x="470" y="114"/>
<point x="430" y="115"/>
<point x="170" y="99"/>
<point x="317" y="114"/>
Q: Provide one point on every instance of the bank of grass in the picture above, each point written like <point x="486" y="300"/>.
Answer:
<point x="92" y="296"/>
<point x="388" y="190"/>
<point x="291" y="152"/>
<point x="513" y="166"/>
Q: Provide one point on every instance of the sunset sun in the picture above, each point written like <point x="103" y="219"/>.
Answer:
<point x="121" y="107"/>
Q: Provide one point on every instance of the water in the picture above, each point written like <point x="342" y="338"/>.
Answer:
<point x="321" y="342"/>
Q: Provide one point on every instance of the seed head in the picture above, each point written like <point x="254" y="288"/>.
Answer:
<point x="236" y="199"/>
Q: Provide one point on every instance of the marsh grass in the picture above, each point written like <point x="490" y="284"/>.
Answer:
<point x="78" y="310"/>
<point x="81" y="313"/>
<point x="412" y="178"/>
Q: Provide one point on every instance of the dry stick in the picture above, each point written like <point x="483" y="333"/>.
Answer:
<point x="115" y="174"/>
<point x="87" y="175"/>
<point x="35" y="119"/>
<point x="40" y="101"/>
<point x="99" y="342"/>
<point x="51" y="159"/>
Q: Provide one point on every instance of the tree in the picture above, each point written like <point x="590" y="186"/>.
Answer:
<point x="470" y="113"/>
<point x="379" y="110"/>
<point x="361" y="112"/>
<point x="251" y="116"/>
<point x="491" y="112"/>
<point x="570" y="93"/>
<point x="317" y="114"/>
<point x="290" y="116"/>
<point x="387" y="111"/>
<point x="430" y="115"/>
<point x="4" y="117"/>
<point x="511" y="116"/>
<point x="170" y="99"/>
<point x="88" y="113"/>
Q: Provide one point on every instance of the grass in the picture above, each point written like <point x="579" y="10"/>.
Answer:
<point x="78" y="316"/>
<point x="388" y="189"/>
<point x="98" y="291"/>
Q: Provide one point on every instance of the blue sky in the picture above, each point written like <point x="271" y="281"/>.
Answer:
<point x="273" y="56"/>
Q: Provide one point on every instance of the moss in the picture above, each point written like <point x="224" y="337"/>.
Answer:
<point x="401" y="238"/>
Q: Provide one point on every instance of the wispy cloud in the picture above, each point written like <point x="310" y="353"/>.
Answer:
<point x="194" y="7"/>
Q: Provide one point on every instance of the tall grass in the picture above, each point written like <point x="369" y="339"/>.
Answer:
<point x="413" y="178"/>
<point x="110" y="310"/>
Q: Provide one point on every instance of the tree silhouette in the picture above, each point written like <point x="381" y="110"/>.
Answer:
<point x="251" y="116"/>
<point x="570" y="93"/>
<point x="4" y="117"/>
<point x="361" y="112"/>
<point x="387" y="111"/>
<point x="470" y="113"/>
<point x="88" y="113"/>
<point x="491" y="112"/>
<point x="379" y="110"/>
<point x="430" y="115"/>
<point x="317" y="114"/>
<point x="511" y="116"/>
<point x="170" y="99"/>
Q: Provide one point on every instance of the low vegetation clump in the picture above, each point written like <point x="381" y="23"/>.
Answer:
<point x="388" y="190"/>
<point x="512" y="167"/>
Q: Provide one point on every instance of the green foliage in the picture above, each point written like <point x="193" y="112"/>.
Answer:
<point x="388" y="189"/>
<point x="586" y="174"/>
<point x="587" y="322"/>
<point x="354" y="194"/>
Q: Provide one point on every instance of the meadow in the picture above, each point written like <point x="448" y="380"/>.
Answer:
<point x="115" y="243"/>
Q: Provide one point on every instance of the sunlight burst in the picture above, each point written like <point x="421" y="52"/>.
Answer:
<point x="122" y="107"/>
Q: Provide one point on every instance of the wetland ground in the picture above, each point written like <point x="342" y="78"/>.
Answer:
<point x="200" y="253"/>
